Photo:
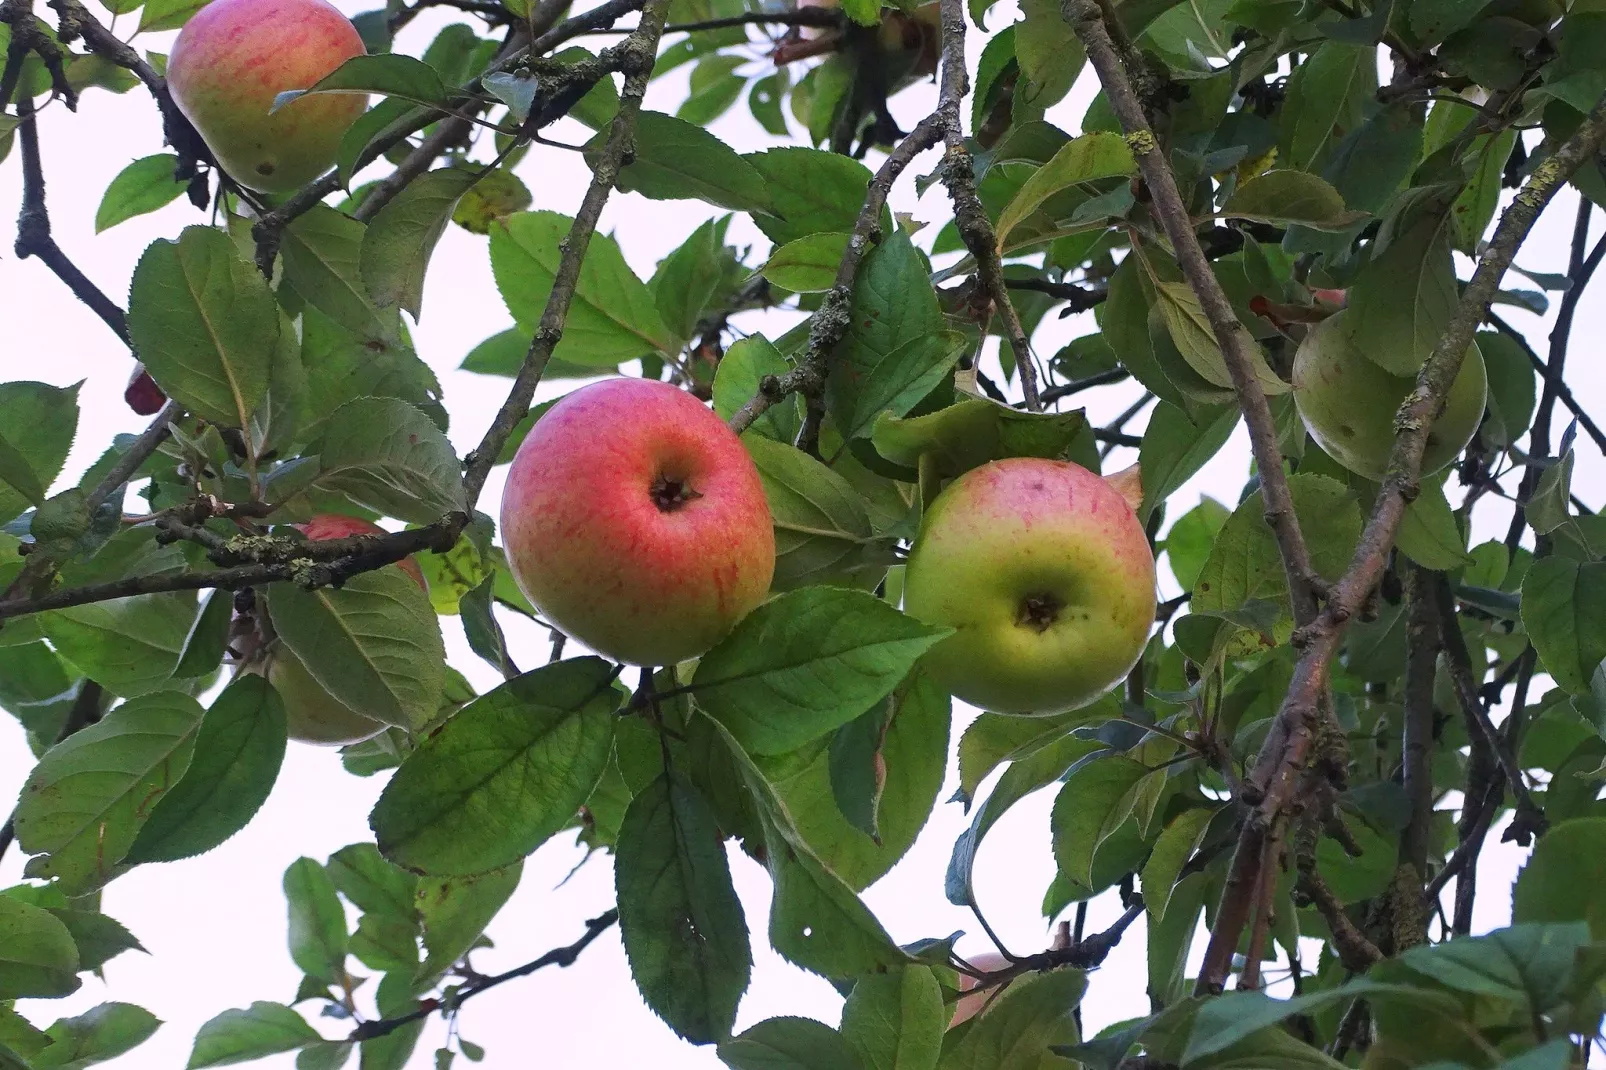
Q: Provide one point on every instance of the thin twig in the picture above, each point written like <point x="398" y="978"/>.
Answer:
<point x="561" y="957"/>
<point x="1564" y="393"/>
<point x="33" y="228"/>
<point x="141" y="448"/>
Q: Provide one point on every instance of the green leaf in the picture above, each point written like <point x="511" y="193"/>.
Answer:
<point x="1285" y="197"/>
<point x="99" y="1034"/>
<point x="806" y="663"/>
<point x="205" y="325"/>
<point x="495" y="195"/>
<point x="810" y="192"/>
<point x="737" y="379"/>
<point x="1096" y="799"/>
<point x="240" y="1036"/>
<point x="914" y="753"/>
<point x="208" y="637"/>
<point x="389" y="74"/>
<point x="38" y="958"/>
<point x="1050" y="54"/>
<point x="143" y="186"/>
<point x="1171" y="852"/>
<point x="1244" y="565"/>
<point x="1190" y="331"/>
<point x="1550" y="504"/>
<point x="1019" y="1028"/>
<point x="399" y="240"/>
<point x="386" y="117"/>
<point x="374" y="643"/>
<point x="323" y="252"/>
<point x="373" y="885"/>
<point x="789" y="1044"/>
<point x="99" y="938"/>
<point x="503" y="354"/>
<point x="503" y="775"/>
<point x="1324" y="96"/>
<point x="1401" y="302"/>
<point x="688" y="278"/>
<point x="1088" y="158"/>
<point x="1559" y="882"/>
<point x="678" y="160"/>
<point x="161" y="15"/>
<point x="1175" y="448"/>
<point x="613" y="317"/>
<point x="807" y="265"/>
<point x="1434" y="20"/>
<point x="1511" y="389"/>
<point x="764" y="101"/>
<point x="341" y="367"/>
<point x="455" y="911"/>
<point x="972" y="432"/>
<point x="1224" y="1022"/>
<point x="238" y="750"/>
<point x="715" y="86"/>
<point x="1564" y="612"/>
<point x="317" y="922"/>
<point x="37" y="422"/>
<point x="1429" y="534"/>
<point x="822" y="530"/>
<point x="84" y="803"/>
<point x="385" y="454"/>
<point x="128" y="645"/>
<point x="682" y="925"/>
<point x="896" y="1020"/>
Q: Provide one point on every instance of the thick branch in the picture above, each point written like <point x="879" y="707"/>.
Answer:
<point x="970" y="218"/>
<point x="1421" y="661"/>
<point x="561" y="957"/>
<point x="138" y="450"/>
<point x="1236" y="345"/>
<point x="33" y="228"/>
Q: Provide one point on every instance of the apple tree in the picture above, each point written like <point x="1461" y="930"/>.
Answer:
<point x="837" y="488"/>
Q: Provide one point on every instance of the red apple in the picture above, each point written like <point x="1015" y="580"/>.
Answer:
<point x="1045" y="575"/>
<point x="314" y="715"/>
<point x="968" y="1006"/>
<point x="235" y="56"/>
<point x="142" y="393"/>
<point x="636" y="522"/>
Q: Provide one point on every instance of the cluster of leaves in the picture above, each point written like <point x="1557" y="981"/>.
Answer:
<point x="810" y="736"/>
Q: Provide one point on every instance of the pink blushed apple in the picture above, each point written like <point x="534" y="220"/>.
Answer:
<point x="234" y="57"/>
<point x="1045" y="575"/>
<point x="636" y="522"/>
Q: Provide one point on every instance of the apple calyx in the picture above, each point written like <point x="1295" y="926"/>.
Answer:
<point x="1039" y="611"/>
<point x="670" y="494"/>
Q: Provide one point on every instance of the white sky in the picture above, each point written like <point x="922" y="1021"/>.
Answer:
<point x="215" y="925"/>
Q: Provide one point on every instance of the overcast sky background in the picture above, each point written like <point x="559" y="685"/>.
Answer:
<point x="215" y="925"/>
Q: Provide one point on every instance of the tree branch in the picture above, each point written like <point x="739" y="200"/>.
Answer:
<point x="33" y="228"/>
<point x="1564" y="393"/>
<point x="138" y="450"/>
<point x="970" y="217"/>
<point x="1287" y="743"/>
<point x="1116" y="69"/>
<point x="1421" y="662"/>
<point x="562" y="957"/>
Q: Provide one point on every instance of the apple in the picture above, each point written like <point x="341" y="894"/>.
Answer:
<point x="142" y="394"/>
<point x="968" y="1006"/>
<point x="635" y="521"/>
<point x="1348" y="403"/>
<point x="314" y="715"/>
<point x="1045" y="575"/>
<point x="234" y="57"/>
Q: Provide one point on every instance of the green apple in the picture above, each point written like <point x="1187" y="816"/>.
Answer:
<point x="1348" y="403"/>
<point x="1045" y="575"/>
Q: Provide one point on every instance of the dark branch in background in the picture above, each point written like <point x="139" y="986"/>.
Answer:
<point x="1563" y="393"/>
<point x="561" y="957"/>
<point x="1080" y="298"/>
<point x="1065" y="390"/>
<point x="1084" y="953"/>
<point x="831" y="322"/>
<point x="1118" y="68"/>
<point x="1421" y="663"/>
<point x="825" y="18"/>
<point x="970" y="217"/>
<point x="26" y="37"/>
<point x="1285" y="750"/>
<point x="33" y="228"/>
<point x="85" y="711"/>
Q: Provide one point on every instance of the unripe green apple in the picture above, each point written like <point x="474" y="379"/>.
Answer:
<point x="235" y="56"/>
<point x="313" y="714"/>
<point x="1348" y="403"/>
<point x="1045" y="575"/>
<point x="636" y="522"/>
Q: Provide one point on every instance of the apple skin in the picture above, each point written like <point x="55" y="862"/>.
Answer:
<point x="1044" y="572"/>
<point x="593" y="549"/>
<point x="968" y="1006"/>
<point x="230" y="61"/>
<point x="1348" y="403"/>
<point x="313" y="714"/>
<point x="142" y="394"/>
